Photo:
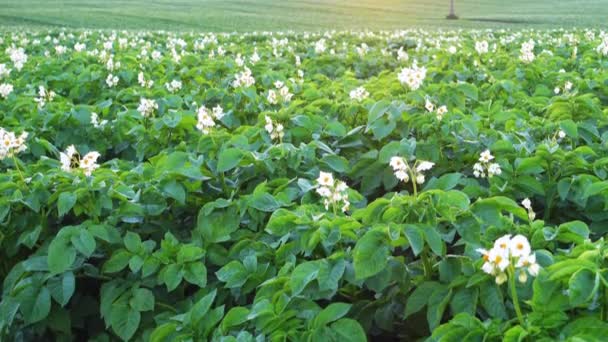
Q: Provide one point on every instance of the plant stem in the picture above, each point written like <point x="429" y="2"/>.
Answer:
<point x="18" y="169"/>
<point x="520" y="317"/>
<point x="426" y="263"/>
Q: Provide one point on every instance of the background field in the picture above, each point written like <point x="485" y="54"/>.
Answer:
<point x="248" y="15"/>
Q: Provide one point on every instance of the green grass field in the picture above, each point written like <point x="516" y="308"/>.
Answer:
<point x="249" y="15"/>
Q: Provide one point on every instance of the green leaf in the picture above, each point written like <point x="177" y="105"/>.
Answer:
<point x="582" y="286"/>
<point x="163" y="333"/>
<point x="229" y="159"/>
<point x="132" y="242"/>
<point x="420" y="297"/>
<point x="118" y="261"/>
<point x="84" y="242"/>
<point x="332" y="312"/>
<point x="264" y="202"/>
<point x="336" y="163"/>
<point x="189" y="253"/>
<point x="302" y="275"/>
<point x="142" y="300"/>
<point x="234" y="317"/>
<point x="415" y="237"/>
<point x="37" y="305"/>
<point x="436" y="306"/>
<point x="234" y="274"/>
<point x="65" y="202"/>
<point x="349" y="330"/>
<point x="492" y="301"/>
<point x="61" y="255"/>
<point x="172" y="276"/>
<point x="62" y="287"/>
<point x="176" y="191"/>
<point x="371" y="254"/>
<point x="217" y="226"/>
<point x="124" y="321"/>
<point x="469" y="90"/>
<point x="433" y="238"/>
<point x="196" y="273"/>
<point x="200" y="309"/>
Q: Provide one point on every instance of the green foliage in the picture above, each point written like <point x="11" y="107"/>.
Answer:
<point x="183" y="234"/>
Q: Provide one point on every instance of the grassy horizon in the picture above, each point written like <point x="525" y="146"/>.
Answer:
<point x="298" y="15"/>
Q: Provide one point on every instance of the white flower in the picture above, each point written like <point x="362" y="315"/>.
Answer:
<point x="4" y="71"/>
<point x="334" y="193"/>
<point x="243" y="79"/>
<point x="561" y="134"/>
<point x="519" y="246"/>
<point x="526" y="203"/>
<point x="147" y="107"/>
<point x="429" y="105"/>
<point x="419" y="178"/>
<point x="5" y="89"/>
<point x="503" y="243"/>
<point x="481" y="47"/>
<point x="111" y="80"/>
<point x="402" y="175"/>
<point x="499" y="258"/>
<point x="424" y="166"/>
<point x="44" y="96"/>
<point x="529" y="263"/>
<point x="412" y="77"/>
<point x="205" y="120"/>
<point x="485" y="156"/>
<point x="324" y="191"/>
<point x="70" y="160"/>
<point x="173" y="86"/>
<point x="397" y="163"/>
<point x="358" y="94"/>
<point x="11" y="144"/>
<point x="95" y="121"/>
<point x="326" y="179"/>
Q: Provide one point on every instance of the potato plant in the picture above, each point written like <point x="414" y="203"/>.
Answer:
<point x="334" y="186"/>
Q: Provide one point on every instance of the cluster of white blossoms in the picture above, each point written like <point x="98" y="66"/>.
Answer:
<point x="403" y="171"/>
<point x="79" y="47"/>
<point x="44" y="96"/>
<point x="275" y="130"/>
<point x="4" y="71"/>
<point x="281" y="93"/>
<point x="526" y="203"/>
<point x="141" y="79"/>
<point x="439" y="112"/>
<point x="481" y="47"/>
<point x="17" y="56"/>
<point x="243" y="79"/>
<point x="412" y="77"/>
<point x="567" y="87"/>
<point x="485" y="167"/>
<point x="147" y="107"/>
<point x="112" y="80"/>
<point x="527" y="52"/>
<point x="70" y="160"/>
<point x="603" y="47"/>
<point x="359" y="94"/>
<point x="11" y="144"/>
<point x="514" y="253"/>
<point x="320" y="46"/>
<point x="5" y="89"/>
<point x="402" y="55"/>
<point x="173" y="86"/>
<point x="95" y="121"/>
<point x="334" y="192"/>
<point x="206" y="120"/>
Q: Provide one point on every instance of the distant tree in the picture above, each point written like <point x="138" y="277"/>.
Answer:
<point x="452" y="15"/>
